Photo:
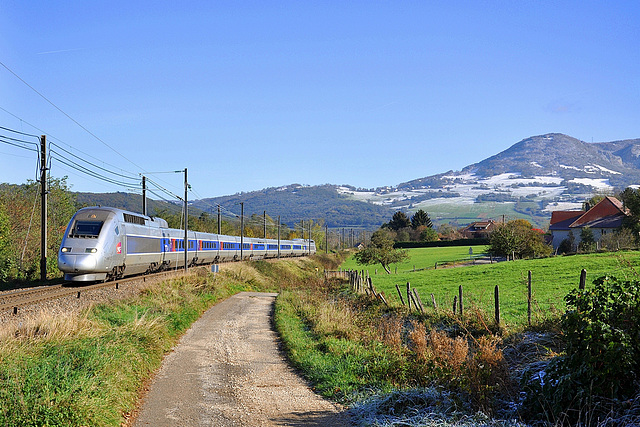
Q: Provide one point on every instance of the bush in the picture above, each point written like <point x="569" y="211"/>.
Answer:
<point x="602" y="359"/>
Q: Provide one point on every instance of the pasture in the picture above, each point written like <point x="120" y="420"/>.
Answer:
<point x="552" y="279"/>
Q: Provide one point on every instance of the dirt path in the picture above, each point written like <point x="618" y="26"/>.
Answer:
<point x="227" y="371"/>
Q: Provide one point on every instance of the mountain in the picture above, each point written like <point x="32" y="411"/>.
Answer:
<point x="528" y="180"/>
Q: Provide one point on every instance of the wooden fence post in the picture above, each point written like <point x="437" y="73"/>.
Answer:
<point x="433" y="300"/>
<point x="415" y="293"/>
<point x="384" y="300"/>
<point x="460" y="302"/>
<point x="529" y="297"/>
<point x="370" y="283"/>
<point x="583" y="279"/>
<point x="497" y="302"/>
<point x="409" y="295"/>
<point x="415" y="303"/>
<point x="400" y="294"/>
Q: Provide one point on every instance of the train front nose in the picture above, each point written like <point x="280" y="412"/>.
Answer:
<point x="77" y="263"/>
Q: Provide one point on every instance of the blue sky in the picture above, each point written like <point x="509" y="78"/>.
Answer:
<point x="249" y="95"/>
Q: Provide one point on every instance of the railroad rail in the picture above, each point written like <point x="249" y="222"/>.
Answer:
<point x="22" y="298"/>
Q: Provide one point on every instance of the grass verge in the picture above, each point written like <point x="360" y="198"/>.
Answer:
<point x="351" y="346"/>
<point x="88" y="369"/>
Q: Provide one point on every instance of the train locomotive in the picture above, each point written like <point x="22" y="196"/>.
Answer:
<point x="102" y="243"/>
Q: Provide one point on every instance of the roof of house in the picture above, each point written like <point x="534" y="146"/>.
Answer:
<point x="608" y="213"/>
<point x="609" y="206"/>
<point x="480" y="225"/>
<point x="558" y="216"/>
<point x="561" y="220"/>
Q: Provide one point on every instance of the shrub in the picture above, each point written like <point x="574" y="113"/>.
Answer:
<point x="602" y="357"/>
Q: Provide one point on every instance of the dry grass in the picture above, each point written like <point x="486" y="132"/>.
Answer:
<point x="46" y="324"/>
<point x="390" y="331"/>
<point x="448" y="354"/>
<point x="487" y="373"/>
<point x="335" y="318"/>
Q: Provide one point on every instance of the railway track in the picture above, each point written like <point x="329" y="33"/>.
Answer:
<point x="22" y="298"/>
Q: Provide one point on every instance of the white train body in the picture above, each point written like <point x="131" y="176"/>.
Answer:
<point x="103" y="243"/>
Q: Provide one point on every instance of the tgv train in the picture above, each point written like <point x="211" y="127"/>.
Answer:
<point x="103" y="243"/>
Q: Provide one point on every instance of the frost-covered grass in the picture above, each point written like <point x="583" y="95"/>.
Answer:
<point x="429" y="407"/>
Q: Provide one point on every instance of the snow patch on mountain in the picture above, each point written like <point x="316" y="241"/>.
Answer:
<point x="600" y="184"/>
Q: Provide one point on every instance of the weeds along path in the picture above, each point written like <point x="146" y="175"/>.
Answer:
<point x="227" y="370"/>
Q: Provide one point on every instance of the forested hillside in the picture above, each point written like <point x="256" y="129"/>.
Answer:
<point x="296" y="202"/>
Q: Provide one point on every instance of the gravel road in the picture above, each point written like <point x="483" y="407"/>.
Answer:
<point x="227" y="370"/>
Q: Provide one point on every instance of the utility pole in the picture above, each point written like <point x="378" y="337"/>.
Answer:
<point x="326" y="239"/>
<point x="43" y="207"/>
<point x="241" y="230"/>
<point x="278" y="236"/>
<point x="186" y="220"/>
<point x="144" y="195"/>
<point x="309" y="242"/>
<point x="219" y="221"/>
<point x="264" y="217"/>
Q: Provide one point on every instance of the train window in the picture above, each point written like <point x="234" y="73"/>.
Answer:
<point x="86" y="229"/>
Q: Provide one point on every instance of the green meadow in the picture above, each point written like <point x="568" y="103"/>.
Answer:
<point x="552" y="279"/>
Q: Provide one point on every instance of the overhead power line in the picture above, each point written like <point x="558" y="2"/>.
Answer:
<point x="17" y="143"/>
<point x="69" y="117"/>
<point x="70" y="163"/>
<point x="131" y="176"/>
<point x="17" y="131"/>
<point x="160" y="187"/>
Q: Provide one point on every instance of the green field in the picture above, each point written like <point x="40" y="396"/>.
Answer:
<point x="552" y="279"/>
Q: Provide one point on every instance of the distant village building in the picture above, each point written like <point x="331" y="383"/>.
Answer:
<point x="479" y="229"/>
<point x="605" y="217"/>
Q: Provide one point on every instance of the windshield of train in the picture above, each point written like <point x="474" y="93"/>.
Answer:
<point x="86" y="229"/>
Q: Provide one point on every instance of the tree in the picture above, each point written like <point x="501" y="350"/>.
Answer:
<point x="587" y="240"/>
<point x="399" y="221"/>
<point x="381" y="251"/>
<point x="5" y="245"/>
<point x="420" y="218"/>
<point x="427" y="234"/>
<point x="518" y="238"/>
<point x="448" y="232"/>
<point x="631" y="200"/>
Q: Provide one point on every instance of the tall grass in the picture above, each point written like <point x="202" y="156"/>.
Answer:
<point x="351" y="346"/>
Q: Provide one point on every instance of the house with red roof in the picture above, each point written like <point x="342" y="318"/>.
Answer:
<point x="605" y="217"/>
